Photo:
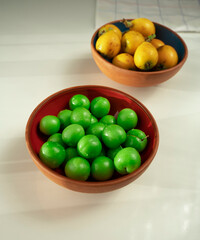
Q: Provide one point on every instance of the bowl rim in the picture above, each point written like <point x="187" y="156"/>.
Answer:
<point x="141" y="72"/>
<point x="97" y="184"/>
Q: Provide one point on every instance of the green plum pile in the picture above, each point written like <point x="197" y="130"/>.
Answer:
<point x="88" y="143"/>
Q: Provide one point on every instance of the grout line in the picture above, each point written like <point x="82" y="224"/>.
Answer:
<point x="182" y="14"/>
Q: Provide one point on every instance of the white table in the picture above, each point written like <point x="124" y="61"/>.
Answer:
<point x="45" y="47"/>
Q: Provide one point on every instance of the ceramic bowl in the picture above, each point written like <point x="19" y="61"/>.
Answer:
<point x="139" y="78"/>
<point x="118" y="100"/>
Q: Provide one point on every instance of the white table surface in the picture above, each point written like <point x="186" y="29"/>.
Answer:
<point x="45" y="47"/>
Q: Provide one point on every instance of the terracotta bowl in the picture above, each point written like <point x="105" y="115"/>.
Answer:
<point x="139" y="78"/>
<point x="119" y="100"/>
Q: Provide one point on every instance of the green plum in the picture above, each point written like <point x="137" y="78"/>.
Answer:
<point x="72" y="134"/>
<point x="127" y="160"/>
<point x="71" y="152"/>
<point x="89" y="146"/>
<point x="96" y="129"/>
<point x="113" y="151"/>
<point x="57" y="137"/>
<point x="79" y="100"/>
<point x="77" y="168"/>
<point x="137" y="139"/>
<point x="100" y="107"/>
<point x="113" y="136"/>
<point x="127" y="118"/>
<point x="49" y="125"/>
<point x="108" y="119"/>
<point x="93" y="119"/>
<point x="102" y="168"/>
<point x="81" y="116"/>
<point x="64" y="117"/>
<point x="52" y="154"/>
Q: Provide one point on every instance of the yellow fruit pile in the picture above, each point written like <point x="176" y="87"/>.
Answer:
<point x="137" y="48"/>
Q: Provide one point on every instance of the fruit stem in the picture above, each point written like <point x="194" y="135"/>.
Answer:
<point x="145" y="137"/>
<point x="150" y="37"/>
<point x="127" y="23"/>
<point x="101" y="32"/>
<point x="142" y="139"/>
<point x="148" y="65"/>
<point x="160" y="67"/>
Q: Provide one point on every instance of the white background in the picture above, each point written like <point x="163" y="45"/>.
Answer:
<point x="45" y="47"/>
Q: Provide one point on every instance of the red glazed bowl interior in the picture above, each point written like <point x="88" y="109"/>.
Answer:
<point x="118" y="100"/>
